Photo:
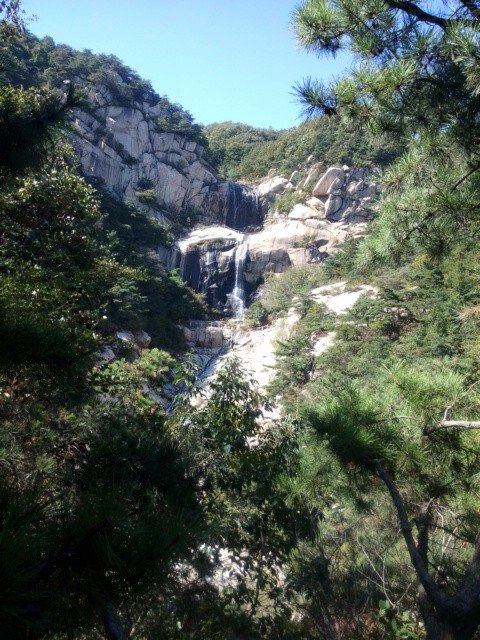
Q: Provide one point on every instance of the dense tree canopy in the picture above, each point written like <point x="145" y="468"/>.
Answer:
<point x="415" y="76"/>
<point x="123" y="515"/>
<point x="239" y="151"/>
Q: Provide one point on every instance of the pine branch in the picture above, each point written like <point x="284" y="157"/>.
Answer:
<point x="414" y="10"/>
<point x="472" y="7"/>
<point x="465" y="601"/>
<point x="454" y="424"/>
<point x="442" y="601"/>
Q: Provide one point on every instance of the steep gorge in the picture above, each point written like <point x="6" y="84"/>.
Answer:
<point x="146" y="499"/>
<point x="241" y="232"/>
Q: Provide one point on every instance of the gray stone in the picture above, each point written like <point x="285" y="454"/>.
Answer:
<point x="335" y="187"/>
<point x="294" y="177"/>
<point x="272" y="186"/>
<point x="333" y="205"/>
<point x="303" y="212"/>
<point x="142" y="339"/>
<point x="313" y="175"/>
<point x="323" y="185"/>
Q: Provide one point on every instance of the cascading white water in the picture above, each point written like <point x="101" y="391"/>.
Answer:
<point x="237" y="297"/>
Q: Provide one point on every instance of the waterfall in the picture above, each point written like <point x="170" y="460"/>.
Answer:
<point x="237" y="297"/>
<point x="244" y="208"/>
<point x="234" y="204"/>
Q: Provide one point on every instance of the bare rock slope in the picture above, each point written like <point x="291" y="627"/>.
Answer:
<point x="311" y="230"/>
<point x="126" y="150"/>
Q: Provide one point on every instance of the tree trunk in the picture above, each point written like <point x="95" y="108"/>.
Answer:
<point x="446" y="616"/>
<point x="439" y="628"/>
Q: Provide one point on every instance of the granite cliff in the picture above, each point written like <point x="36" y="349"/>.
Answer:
<point x="127" y="150"/>
<point x="240" y="232"/>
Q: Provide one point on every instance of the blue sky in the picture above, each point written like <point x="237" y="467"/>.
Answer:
<point x="221" y="59"/>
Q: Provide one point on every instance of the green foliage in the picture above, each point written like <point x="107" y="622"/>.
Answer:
<point x="415" y="80"/>
<point x="176" y="120"/>
<point x="242" y="152"/>
<point x="115" y="478"/>
<point x="401" y="361"/>
<point x="146" y="296"/>
<point x="56" y="274"/>
<point x="286" y="202"/>
<point x="276" y="293"/>
<point x="12" y="20"/>
<point x="170" y="302"/>
<point x="293" y="356"/>
<point x="26" y="119"/>
<point x="247" y="468"/>
<point x="148" y="196"/>
<point x="229" y="143"/>
<point x="256" y="315"/>
<point x="399" y="625"/>
<point x="139" y="382"/>
<point x="356" y="430"/>
<point x="30" y="339"/>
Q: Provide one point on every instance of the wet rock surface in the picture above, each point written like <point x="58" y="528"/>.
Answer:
<point x="337" y="203"/>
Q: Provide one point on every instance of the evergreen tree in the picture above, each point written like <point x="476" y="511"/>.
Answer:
<point x="416" y="76"/>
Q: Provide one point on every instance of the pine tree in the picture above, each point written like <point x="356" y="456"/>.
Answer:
<point x="415" y="75"/>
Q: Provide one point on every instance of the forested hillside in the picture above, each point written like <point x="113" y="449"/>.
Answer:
<point x="132" y="236"/>
<point x="30" y="61"/>
<point x="337" y="499"/>
<point x="241" y="152"/>
<point x="393" y="405"/>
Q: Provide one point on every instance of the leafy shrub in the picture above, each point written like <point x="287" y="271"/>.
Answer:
<point x="176" y="120"/>
<point x="145" y="184"/>
<point x="26" y="118"/>
<point x="256" y="314"/>
<point x="286" y="202"/>
<point x="148" y="197"/>
<point x="277" y="292"/>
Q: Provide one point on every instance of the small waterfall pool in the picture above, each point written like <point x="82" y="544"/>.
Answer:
<point x="237" y="298"/>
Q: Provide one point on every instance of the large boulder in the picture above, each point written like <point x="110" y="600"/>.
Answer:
<point x="329" y="177"/>
<point x="333" y="205"/>
<point x="306" y="211"/>
<point x="280" y="245"/>
<point x="204" y="334"/>
<point x="271" y="187"/>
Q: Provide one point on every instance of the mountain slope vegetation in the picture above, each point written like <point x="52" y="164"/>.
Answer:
<point x="356" y="514"/>
<point x="241" y="152"/>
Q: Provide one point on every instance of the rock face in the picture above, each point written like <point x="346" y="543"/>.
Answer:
<point x="206" y="261"/>
<point x="124" y="150"/>
<point x="311" y="231"/>
<point x="255" y="348"/>
<point x="202" y="334"/>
